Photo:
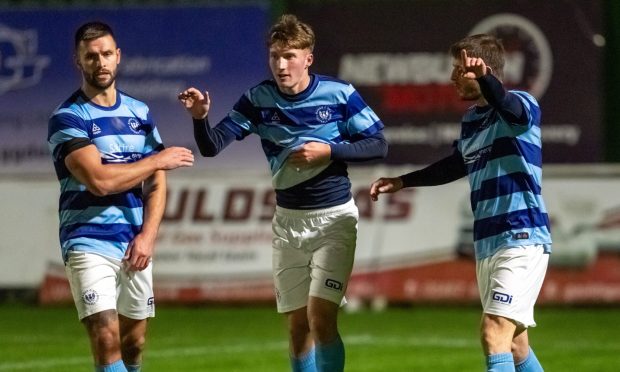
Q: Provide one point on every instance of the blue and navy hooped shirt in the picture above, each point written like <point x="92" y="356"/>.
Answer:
<point x="123" y="133"/>
<point x="504" y="167"/>
<point x="329" y="110"/>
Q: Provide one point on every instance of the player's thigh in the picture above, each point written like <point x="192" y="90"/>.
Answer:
<point x="510" y="281"/>
<point x="333" y="258"/>
<point x="93" y="280"/>
<point x="135" y="294"/>
<point x="290" y="262"/>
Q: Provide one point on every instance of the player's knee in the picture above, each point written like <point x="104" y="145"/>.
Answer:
<point x="132" y="346"/>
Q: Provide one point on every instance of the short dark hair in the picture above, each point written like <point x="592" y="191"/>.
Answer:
<point x="290" y="32"/>
<point x="92" y="30"/>
<point x="484" y="46"/>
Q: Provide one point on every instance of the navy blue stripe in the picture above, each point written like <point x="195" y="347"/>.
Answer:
<point x="61" y="169"/>
<point x="247" y="109"/>
<point x="370" y="131"/>
<point x="239" y="132"/>
<point x="522" y="219"/>
<point x="330" y="78"/>
<point x="303" y="116"/>
<point x="78" y="200"/>
<point x="507" y="146"/>
<point x="73" y="99"/>
<point x="118" y="125"/>
<point x="504" y="185"/>
<point x="470" y="128"/>
<point x="63" y="121"/>
<point x="327" y="189"/>
<point x="270" y="148"/>
<point x="115" y="232"/>
<point x="355" y="105"/>
<point x="534" y="109"/>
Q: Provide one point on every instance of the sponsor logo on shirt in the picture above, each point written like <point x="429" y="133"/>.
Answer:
<point x="95" y="129"/>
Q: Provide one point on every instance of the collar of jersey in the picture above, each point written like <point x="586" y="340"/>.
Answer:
<point x="314" y="81"/>
<point x="104" y="108"/>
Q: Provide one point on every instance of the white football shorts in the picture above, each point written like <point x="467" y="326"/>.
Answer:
<point x="313" y="253"/>
<point x="101" y="283"/>
<point x="510" y="281"/>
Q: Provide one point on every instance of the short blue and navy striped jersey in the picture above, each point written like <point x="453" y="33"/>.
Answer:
<point x="504" y="166"/>
<point x="123" y="133"/>
<point x="330" y="111"/>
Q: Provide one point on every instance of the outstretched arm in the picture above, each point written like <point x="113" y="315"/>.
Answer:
<point x="100" y="179"/>
<point x="210" y="141"/>
<point x="446" y="170"/>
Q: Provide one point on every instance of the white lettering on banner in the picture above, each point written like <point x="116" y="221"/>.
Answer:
<point x="421" y="68"/>
<point x="441" y="134"/>
<point x="408" y="233"/>
<point x="20" y="65"/>
<point x="236" y="205"/>
<point x="173" y="65"/>
<point x="153" y="88"/>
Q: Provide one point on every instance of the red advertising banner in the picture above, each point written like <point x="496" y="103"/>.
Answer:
<point x="396" y="54"/>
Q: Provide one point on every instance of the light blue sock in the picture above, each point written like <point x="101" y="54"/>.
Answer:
<point x="117" y="366"/>
<point x="503" y="362"/>
<point x="133" y="367"/>
<point x="305" y="363"/>
<point x="330" y="357"/>
<point x="530" y="364"/>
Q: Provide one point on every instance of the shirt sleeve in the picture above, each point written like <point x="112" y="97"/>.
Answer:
<point x="361" y="121"/>
<point x="65" y="130"/>
<point x="446" y="170"/>
<point x="369" y="148"/>
<point x="509" y="105"/>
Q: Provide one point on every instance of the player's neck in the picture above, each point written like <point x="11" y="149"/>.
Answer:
<point x="102" y="97"/>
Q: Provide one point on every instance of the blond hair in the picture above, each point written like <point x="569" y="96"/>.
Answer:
<point x="289" y="32"/>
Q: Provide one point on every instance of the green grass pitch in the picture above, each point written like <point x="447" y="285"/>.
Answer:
<point x="228" y="339"/>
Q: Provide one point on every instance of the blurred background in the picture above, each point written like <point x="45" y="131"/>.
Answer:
<point x="414" y="247"/>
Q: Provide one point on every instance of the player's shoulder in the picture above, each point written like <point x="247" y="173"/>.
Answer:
<point x="334" y="85"/>
<point x="72" y="106"/>
<point x="525" y="96"/>
<point x="265" y="85"/>
<point x="129" y="100"/>
<point x="332" y="80"/>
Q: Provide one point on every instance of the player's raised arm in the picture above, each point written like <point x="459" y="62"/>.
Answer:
<point x="474" y="67"/>
<point x="196" y="103"/>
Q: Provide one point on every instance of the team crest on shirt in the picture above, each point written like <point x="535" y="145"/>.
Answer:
<point x="90" y="297"/>
<point x="323" y="114"/>
<point x="134" y="125"/>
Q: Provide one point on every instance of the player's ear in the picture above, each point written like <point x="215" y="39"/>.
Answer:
<point x="76" y="60"/>
<point x="118" y="55"/>
<point x="309" y="59"/>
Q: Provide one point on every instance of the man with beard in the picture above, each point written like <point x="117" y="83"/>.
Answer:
<point x="110" y="161"/>
<point x="500" y="151"/>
